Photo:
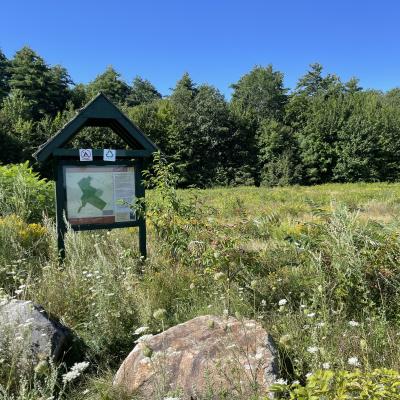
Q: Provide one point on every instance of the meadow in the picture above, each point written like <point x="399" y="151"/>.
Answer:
<point x="318" y="266"/>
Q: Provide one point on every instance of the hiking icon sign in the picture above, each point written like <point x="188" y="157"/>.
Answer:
<point x="85" y="155"/>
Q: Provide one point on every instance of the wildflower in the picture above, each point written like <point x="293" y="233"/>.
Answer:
<point x="353" y="361"/>
<point x="192" y="286"/>
<point x="141" y="330"/>
<point x="225" y="313"/>
<point x="326" y="365"/>
<point x="159" y="314"/>
<point x="42" y="368"/>
<point x="263" y="303"/>
<point x="282" y="302"/>
<point x="353" y="323"/>
<point x="285" y="339"/>
<point x="75" y="371"/>
<point x="171" y="398"/>
<point x="218" y="276"/>
<point x="320" y="324"/>
<point x="308" y="374"/>
<point x="311" y="315"/>
<point x="280" y="381"/>
<point x="312" y="349"/>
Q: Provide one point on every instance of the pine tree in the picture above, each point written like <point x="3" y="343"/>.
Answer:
<point x="183" y="126"/>
<point x="142" y="91"/>
<point x="58" y="89"/>
<point x="111" y="84"/>
<point x="29" y="74"/>
<point x="4" y="76"/>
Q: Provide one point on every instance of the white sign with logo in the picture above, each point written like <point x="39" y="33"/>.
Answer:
<point x="109" y="154"/>
<point x="85" y="155"/>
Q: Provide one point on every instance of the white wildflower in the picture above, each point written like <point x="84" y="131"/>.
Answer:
<point x="353" y="323"/>
<point x="312" y="349"/>
<point x="311" y="315"/>
<point x="218" y="276"/>
<point x="282" y="302"/>
<point x="141" y="330"/>
<point x="309" y="374"/>
<point x="171" y="398"/>
<point x="263" y="303"/>
<point x="280" y="381"/>
<point x="326" y="365"/>
<point x="75" y="371"/>
<point x="353" y="361"/>
<point x="320" y="324"/>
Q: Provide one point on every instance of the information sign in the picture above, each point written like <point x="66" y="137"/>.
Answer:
<point x="99" y="194"/>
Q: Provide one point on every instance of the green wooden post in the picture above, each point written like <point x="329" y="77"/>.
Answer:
<point x="60" y="224"/>
<point x="142" y="238"/>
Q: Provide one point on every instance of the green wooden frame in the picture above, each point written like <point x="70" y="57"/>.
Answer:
<point x="98" y="112"/>
<point x="61" y="202"/>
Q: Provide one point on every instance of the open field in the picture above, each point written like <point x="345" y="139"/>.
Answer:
<point x="319" y="266"/>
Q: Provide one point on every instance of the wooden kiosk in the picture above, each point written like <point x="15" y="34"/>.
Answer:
<point x="95" y="187"/>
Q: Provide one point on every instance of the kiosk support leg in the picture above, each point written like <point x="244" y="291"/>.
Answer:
<point x="60" y="224"/>
<point x="142" y="239"/>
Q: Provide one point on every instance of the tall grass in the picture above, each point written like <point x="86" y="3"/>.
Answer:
<point x="318" y="266"/>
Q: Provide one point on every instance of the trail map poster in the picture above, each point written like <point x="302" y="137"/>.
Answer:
<point x="99" y="194"/>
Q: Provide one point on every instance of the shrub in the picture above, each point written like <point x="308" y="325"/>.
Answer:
<point x="23" y="193"/>
<point x="340" y="385"/>
<point x="23" y="249"/>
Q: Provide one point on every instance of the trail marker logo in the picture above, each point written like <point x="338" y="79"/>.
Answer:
<point x="85" y="155"/>
<point x="109" y="154"/>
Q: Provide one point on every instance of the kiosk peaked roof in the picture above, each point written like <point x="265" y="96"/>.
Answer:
<point x="102" y="112"/>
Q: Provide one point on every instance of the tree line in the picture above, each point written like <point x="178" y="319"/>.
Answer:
<point x="323" y="130"/>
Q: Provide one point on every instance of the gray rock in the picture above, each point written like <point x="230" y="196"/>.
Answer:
<point x="206" y="357"/>
<point x="28" y="335"/>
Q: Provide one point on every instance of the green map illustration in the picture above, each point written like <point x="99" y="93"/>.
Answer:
<point x="90" y="194"/>
<point x="101" y="192"/>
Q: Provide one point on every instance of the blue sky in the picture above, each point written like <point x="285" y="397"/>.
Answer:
<point x="215" y="41"/>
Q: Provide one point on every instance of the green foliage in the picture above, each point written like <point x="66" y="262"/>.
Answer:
<point x="325" y="130"/>
<point x="155" y="119"/>
<point x="278" y="155"/>
<point x="4" y="76"/>
<point x="260" y="94"/>
<point x="23" y="193"/>
<point x="142" y="91"/>
<point x="46" y="89"/>
<point x="341" y="385"/>
<point x="110" y="83"/>
<point x="322" y="276"/>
